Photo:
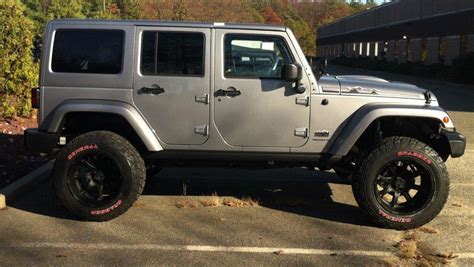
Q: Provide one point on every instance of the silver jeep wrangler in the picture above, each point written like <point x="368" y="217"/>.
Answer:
<point x="120" y="99"/>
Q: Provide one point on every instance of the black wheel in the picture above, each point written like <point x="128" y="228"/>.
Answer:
<point x="402" y="184"/>
<point x="98" y="176"/>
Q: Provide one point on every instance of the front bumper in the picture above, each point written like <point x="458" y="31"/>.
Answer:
<point x="39" y="141"/>
<point x="457" y="142"/>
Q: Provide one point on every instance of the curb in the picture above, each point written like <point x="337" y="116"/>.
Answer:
<point x="25" y="184"/>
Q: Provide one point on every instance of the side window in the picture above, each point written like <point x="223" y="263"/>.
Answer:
<point x="253" y="56"/>
<point x="172" y="53"/>
<point x="88" y="51"/>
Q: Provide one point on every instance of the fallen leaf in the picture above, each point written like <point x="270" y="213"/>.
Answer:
<point x="448" y="256"/>
<point x="407" y="249"/>
<point x="428" y="230"/>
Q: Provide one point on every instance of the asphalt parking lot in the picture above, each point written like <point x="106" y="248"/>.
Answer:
<point x="302" y="217"/>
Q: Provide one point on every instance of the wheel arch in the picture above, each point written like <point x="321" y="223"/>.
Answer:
<point x="364" y="119"/>
<point x="97" y="109"/>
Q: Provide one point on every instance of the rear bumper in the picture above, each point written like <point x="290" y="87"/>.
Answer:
<point x="457" y="142"/>
<point x="39" y="141"/>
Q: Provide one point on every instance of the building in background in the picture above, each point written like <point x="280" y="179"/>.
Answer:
<point x="429" y="31"/>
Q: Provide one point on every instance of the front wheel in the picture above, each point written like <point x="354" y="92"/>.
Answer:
<point x="98" y="176"/>
<point x="402" y="184"/>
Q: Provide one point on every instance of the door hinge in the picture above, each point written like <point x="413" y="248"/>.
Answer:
<point x="202" y="98"/>
<point x="201" y="129"/>
<point x="303" y="132"/>
<point x="302" y="101"/>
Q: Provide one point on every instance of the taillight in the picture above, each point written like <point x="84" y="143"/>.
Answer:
<point x="35" y="95"/>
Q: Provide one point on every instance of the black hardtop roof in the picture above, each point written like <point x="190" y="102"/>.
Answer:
<point x="162" y="23"/>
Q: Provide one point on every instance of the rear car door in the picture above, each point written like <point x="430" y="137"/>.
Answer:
<point x="254" y="106"/>
<point x="172" y="82"/>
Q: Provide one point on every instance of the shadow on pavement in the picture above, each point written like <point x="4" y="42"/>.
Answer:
<point x="291" y="190"/>
<point x="42" y="201"/>
<point x="297" y="191"/>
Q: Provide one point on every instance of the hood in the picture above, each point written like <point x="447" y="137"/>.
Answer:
<point x="368" y="85"/>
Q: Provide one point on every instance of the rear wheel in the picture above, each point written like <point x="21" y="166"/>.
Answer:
<point x="98" y="176"/>
<point x="402" y="184"/>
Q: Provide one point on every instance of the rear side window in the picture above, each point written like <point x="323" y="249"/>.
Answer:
<point x="88" y="51"/>
<point x="172" y="53"/>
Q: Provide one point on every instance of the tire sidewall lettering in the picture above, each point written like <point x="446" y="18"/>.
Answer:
<point x="80" y="149"/>
<point x="405" y="153"/>
<point x="394" y="218"/>
<point x="107" y="210"/>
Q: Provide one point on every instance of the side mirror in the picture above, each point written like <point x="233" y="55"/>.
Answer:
<point x="322" y="66"/>
<point x="292" y="72"/>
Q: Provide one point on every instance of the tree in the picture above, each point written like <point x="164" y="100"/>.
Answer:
<point x="36" y="11"/>
<point x="65" y="9"/>
<point x="226" y="11"/>
<point x="129" y="9"/>
<point x="284" y="13"/>
<point x="359" y="6"/>
<point x="99" y="9"/>
<point x="271" y="16"/>
<point x="18" y="71"/>
<point x="180" y="10"/>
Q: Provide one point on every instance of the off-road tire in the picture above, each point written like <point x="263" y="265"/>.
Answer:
<point x="124" y="154"/>
<point x="390" y="149"/>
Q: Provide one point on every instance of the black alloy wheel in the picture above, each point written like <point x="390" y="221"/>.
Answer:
<point x="94" y="180"/>
<point x="98" y="175"/>
<point x="404" y="186"/>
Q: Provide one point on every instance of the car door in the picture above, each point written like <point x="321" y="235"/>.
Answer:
<point x="172" y="82"/>
<point x="254" y="106"/>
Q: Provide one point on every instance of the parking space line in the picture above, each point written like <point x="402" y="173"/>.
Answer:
<point x="200" y="248"/>
<point x="466" y="255"/>
<point x="462" y="184"/>
<point x="225" y="249"/>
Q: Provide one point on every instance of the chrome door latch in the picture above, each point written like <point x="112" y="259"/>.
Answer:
<point x="202" y="98"/>
<point x="302" y="101"/>
<point x="303" y="132"/>
<point x="201" y="129"/>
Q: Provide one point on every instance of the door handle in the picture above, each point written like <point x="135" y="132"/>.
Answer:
<point x="230" y="92"/>
<point x="155" y="90"/>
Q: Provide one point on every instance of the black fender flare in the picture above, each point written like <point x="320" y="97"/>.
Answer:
<point x="53" y="121"/>
<point x="342" y="142"/>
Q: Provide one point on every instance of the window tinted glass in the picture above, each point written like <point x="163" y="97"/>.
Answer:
<point x="255" y="56"/>
<point x="88" y="51"/>
<point x="172" y="53"/>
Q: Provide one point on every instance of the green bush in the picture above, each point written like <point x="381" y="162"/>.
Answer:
<point x="18" y="72"/>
